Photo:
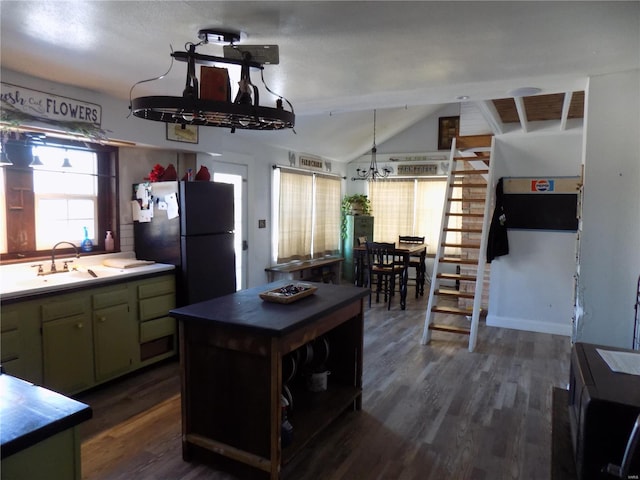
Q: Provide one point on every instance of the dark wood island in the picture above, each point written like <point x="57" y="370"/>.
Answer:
<point x="232" y="351"/>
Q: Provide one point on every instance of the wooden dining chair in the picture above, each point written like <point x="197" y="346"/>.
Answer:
<point x="385" y="268"/>
<point x="415" y="263"/>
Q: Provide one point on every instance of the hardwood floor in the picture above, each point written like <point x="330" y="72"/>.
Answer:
<point x="429" y="412"/>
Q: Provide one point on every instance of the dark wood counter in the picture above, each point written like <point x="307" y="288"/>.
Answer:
<point x="38" y="431"/>
<point x="232" y="349"/>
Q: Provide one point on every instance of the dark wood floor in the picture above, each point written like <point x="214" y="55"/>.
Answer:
<point x="429" y="412"/>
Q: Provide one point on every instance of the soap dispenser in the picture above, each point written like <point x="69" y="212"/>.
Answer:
<point x="87" y="244"/>
<point x="108" y="242"/>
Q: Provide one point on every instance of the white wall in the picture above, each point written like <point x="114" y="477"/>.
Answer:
<point x="531" y="288"/>
<point x="610" y="240"/>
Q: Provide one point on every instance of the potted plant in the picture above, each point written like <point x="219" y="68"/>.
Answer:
<point x="356" y="204"/>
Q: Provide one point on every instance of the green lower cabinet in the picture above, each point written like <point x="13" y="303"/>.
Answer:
<point x="114" y="341"/>
<point x="56" y="458"/>
<point x="76" y="340"/>
<point x="20" y="341"/>
<point x="68" y="353"/>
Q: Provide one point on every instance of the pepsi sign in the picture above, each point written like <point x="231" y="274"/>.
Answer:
<point x="542" y="185"/>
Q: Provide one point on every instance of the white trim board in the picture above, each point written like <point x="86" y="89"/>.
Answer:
<point x="529" y="325"/>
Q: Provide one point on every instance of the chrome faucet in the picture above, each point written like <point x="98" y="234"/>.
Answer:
<point x="53" y="258"/>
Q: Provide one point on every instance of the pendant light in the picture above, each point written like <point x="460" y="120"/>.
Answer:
<point x="372" y="173"/>
<point x="66" y="163"/>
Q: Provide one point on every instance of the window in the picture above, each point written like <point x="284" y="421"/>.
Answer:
<point x="48" y="203"/>
<point x="410" y="207"/>
<point x="307" y="215"/>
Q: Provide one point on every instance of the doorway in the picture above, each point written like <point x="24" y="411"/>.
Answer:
<point x="235" y="174"/>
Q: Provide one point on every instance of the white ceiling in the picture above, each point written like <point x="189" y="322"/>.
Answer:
<point x="338" y="60"/>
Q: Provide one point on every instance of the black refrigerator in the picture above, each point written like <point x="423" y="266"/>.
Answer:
<point x="198" y="240"/>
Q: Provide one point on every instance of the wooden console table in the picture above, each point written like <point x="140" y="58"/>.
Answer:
<point x="310" y="270"/>
<point x="231" y="362"/>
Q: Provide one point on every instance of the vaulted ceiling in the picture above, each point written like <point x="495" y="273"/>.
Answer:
<point x="339" y="60"/>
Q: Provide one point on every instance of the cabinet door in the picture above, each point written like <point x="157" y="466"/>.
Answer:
<point x="115" y="337"/>
<point x="68" y="353"/>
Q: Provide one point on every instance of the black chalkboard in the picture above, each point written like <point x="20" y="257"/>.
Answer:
<point x="536" y="211"/>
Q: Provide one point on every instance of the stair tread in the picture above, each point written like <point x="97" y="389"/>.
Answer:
<point x="476" y="215"/>
<point x="469" y="185"/>
<point x="463" y="261"/>
<point x="454" y="293"/>
<point x="463" y="230"/>
<point x="470" y="200"/>
<point x="457" y="276"/>
<point x="449" y="328"/>
<point x="461" y="245"/>
<point x="451" y="310"/>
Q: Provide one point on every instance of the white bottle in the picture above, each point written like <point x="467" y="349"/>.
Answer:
<point x="108" y="242"/>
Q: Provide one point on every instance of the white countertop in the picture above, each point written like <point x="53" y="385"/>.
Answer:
<point x="22" y="280"/>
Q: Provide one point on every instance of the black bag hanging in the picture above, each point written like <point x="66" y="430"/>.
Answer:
<point x="497" y="242"/>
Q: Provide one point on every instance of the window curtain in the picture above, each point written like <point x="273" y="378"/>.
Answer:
<point x="430" y="195"/>
<point x="295" y="216"/>
<point x="392" y="206"/>
<point x="412" y="207"/>
<point x="326" y="236"/>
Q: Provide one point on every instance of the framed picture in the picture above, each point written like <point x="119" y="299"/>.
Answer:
<point x="448" y="128"/>
<point x="182" y="133"/>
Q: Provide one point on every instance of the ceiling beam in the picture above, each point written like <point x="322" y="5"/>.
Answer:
<point x="491" y="116"/>
<point x="565" y="110"/>
<point x="522" y="113"/>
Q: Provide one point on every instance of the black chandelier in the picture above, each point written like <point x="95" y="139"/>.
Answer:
<point x="372" y="173"/>
<point x="244" y="112"/>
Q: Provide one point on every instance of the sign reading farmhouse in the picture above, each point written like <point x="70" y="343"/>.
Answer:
<point x="45" y="106"/>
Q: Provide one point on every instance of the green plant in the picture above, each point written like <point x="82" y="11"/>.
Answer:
<point x="346" y="208"/>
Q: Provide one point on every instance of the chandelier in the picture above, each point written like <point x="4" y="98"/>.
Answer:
<point x="244" y="112"/>
<point x="372" y="173"/>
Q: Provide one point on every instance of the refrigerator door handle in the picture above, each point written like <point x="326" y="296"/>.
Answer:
<point x="245" y="245"/>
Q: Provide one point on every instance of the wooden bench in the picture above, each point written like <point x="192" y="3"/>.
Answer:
<point x="325" y="269"/>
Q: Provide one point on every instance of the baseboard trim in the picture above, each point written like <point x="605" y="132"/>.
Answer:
<point x="529" y="325"/>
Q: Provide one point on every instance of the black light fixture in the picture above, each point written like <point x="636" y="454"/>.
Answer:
<point x="36" y="162"/>
<point x="66" y="163"/>
<point x="189" y="109"/>
<point x="372" y="173"/>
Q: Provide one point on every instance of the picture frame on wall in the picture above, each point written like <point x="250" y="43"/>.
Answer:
<point x="448" y="128"/>
<point x="182" y="133"/>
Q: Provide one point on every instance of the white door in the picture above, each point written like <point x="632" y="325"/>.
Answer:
<point x="236" y="174"/>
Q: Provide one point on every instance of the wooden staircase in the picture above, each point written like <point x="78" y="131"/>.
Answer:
<point x="465" y="227"/>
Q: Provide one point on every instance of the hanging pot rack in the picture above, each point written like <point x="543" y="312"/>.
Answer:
<point x="243" y="113"/>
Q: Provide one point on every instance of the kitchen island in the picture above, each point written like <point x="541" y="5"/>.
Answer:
<point x="39" y="435"/>
<point x="232" y="351"/>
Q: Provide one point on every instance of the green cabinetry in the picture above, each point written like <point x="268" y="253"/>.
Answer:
<point x="115" y="333"/>
<point x="358" y="226"/>
<point x="67" y="343"/>
<point x="20" y="341"/>
<point x="73" y="341"/>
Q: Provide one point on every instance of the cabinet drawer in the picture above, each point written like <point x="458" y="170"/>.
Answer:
<point x="9" y="321"/>
<point x="156" y="307"/>
<point x="108" y="299"/>
<point x="10" y="344"/>
<point x="66" y="308"/>
<point x="161" y="327"/>
<point x="155" y="289"/>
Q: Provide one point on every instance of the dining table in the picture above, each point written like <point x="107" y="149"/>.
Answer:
<point x="406" y="251"/>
